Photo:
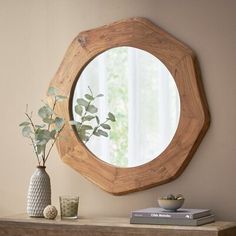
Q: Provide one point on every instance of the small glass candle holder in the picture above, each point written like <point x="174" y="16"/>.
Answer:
<point x="69" y="207"/>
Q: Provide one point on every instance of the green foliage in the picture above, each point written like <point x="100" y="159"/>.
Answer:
<point x="86" y="109"/>
<point x="41" y="135"/>
<point x="173" y="197"/>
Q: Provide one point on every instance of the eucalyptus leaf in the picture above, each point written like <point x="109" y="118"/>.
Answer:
<point x="82" y="135"/>
<point x="99" y="95"/>
<point x="26" y="131"/>
<point x="24" y="123"/>
<point x="88" y="118"/>
<point x="42" y="136"/>
<point x="53" y="133"/>
<point x="89" y="97"/>
<point x="82" y="102"/>
<point x="52" y="91"/>
<point x="42" y="142"/>
<point x="48" y="120"/>
<point x="60" y="97"/>
<point x="97" y="119"/>
<point x="103" y="133"/>
<point x="40" y="148"/>
<point x="45" y="112"/>
<point x="46" y="134"/>
<point x="92" y="109"/>
<point x="96" y="134"/>
<point x="106" y="126"/>
<point x="86" y="138"/>
<point x="79" y="109"/>
<point x="86" y="127"/>
<point x="38" y="130"/>
<point x="59" y="122"/>
<point x="49" y="108"/>
<point x="40" y="126"/>
<point x="111" y="117"/>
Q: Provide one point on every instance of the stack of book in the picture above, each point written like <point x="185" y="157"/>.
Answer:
<point x="159" y="216"/>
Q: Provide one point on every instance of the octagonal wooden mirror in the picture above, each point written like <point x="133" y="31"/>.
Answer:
<point x="157" y="58"/>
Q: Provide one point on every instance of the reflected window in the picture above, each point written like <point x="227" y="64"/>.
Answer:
<point x="141" y="92"/>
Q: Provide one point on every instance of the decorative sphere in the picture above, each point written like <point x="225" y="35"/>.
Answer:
<point x="50" y="212"/>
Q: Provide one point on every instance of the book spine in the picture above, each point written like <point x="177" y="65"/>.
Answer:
<point x="183" y="222"/>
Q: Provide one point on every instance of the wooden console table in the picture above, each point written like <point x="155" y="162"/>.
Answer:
<point x="21" y="225"/>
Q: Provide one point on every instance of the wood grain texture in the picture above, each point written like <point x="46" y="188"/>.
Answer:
<point x="22" y="225"/>
<point x="194" y="115"/>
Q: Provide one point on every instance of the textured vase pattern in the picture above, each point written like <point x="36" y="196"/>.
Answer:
<point x="39" y="193"/>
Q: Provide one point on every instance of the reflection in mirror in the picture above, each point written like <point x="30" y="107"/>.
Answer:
<point x="140" y="91"/>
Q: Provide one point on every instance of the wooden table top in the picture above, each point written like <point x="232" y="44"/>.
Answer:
<point x="118" y="222"/>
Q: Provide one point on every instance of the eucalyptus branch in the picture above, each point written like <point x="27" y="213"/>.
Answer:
<point x="31" y="122"/>
<point x="90" y="91"/>
<point x="54" y="141"/>
<point x="95" y="129"/>
<point x="91" y="134"/>
<point x="43" y="156"/>
<point x="35" y="150"/>
<point x="41" y="134"/>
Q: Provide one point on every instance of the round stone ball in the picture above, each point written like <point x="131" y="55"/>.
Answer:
<point x="50" y="212"/>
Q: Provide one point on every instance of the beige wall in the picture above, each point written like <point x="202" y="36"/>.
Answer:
<point x="34" y="35"/>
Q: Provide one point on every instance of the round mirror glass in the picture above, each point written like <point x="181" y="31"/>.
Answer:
<point x="126" y="107"/>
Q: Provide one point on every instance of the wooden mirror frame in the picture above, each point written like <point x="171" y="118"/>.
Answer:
<point x="194" y="116"/>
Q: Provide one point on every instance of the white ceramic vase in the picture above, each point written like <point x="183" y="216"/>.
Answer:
<point x="39" y="193"/>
